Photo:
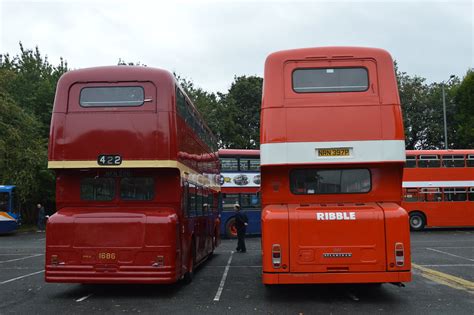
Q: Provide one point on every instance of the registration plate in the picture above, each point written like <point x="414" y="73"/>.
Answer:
<point x="333" y="152"/>
<point x="107" y="256"/>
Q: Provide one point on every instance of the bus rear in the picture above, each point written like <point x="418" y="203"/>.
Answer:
<point x="332" y="154"/>
<point x="123" y="194"/>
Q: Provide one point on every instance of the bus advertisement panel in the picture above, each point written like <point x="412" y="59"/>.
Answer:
<point x="438" y="187"/>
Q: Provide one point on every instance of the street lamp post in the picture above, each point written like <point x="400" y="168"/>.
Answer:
<point x="443" y="84"/>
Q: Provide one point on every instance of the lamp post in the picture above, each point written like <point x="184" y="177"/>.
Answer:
<point x="443" y="84"/>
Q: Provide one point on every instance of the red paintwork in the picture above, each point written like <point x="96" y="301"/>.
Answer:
<point x="441" y="213"/>
<point x="135" y="231"/>
<point x="289" y="219"/>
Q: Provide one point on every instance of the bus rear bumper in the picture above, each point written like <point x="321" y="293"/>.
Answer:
<point x="356" y="277"/>
<point x="71" y="274"/>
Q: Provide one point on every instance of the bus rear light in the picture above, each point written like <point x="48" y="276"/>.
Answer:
<point x="399" y="254"/>
<point x="276" y="255"/>
<point x="54" y="260"/>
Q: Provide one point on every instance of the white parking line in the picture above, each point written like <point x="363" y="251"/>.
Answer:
<point x="455" y="247"/>
<point x="84" y="297"/>
<point x="451" y="265"/>
<point x="21" y="277"/>
<point x="16" y="259"/>
<point x="440" y="251"/>
<point x="224" y="277"/>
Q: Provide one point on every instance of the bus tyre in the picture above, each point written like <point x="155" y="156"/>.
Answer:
<point x="417" y="221"/>
<point x="230" y="230"/>
<point x="188" y="276"/>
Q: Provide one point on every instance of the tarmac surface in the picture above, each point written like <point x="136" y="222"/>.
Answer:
<point x="230" y="283"/>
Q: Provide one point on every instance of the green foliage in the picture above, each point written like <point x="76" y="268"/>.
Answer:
<point x="464" y="98"/>
<point x="27" y="87"/>
<point x="422" y="107"/>
<point x="32" y="83"/>
<point x="233" y="117"/>
<point x="240" y="118"/>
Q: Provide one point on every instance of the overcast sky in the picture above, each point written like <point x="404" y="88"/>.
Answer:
<point x="210" y="42"/>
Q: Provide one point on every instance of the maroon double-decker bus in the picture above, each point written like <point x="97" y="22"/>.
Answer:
<point x="136" y="179"/>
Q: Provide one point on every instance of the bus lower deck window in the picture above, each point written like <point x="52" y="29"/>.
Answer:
<point x="97" y="189"/>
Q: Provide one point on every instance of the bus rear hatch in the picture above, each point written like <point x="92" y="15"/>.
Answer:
<point x="337" y="238"/>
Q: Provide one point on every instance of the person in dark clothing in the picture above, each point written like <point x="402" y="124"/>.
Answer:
<point x="41" y="218"/>
<point x="241" y="222"/>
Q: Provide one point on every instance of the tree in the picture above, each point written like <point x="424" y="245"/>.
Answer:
<point x="32" y="83"/>
<point x="23" y="155"/>
<point x="239" y="116"/>
<point x="464" y="116"/>
<point x="27" y="87"/>
<point x="423" y="111"/>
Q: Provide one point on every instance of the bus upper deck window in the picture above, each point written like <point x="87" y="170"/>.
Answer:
<point x="470" y="160"/>
<point x="112" y="96"/>
<point x="453" y="160"/>
<point x="320" y="80"/>
<point x="429" y="161"/>
<point x="411" y="161"/>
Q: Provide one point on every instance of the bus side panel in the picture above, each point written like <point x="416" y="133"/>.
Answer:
<point x="396" y="231"/>
<point x="275" y="231"/>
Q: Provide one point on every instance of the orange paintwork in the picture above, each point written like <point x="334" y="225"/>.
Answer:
<point x="127" y="241"/>
<point x="358" y="250"/>
<point x="442" y="213"/>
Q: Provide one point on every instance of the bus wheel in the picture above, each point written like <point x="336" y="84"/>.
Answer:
<point x="230" y="229"/>
<point x="188" y="276"/>
<point x="417" y="221"/>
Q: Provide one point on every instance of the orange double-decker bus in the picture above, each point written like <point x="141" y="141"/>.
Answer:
<point x="136" y="179"/>
<point x="438" y="188"/>
<point x="332" y="155"/>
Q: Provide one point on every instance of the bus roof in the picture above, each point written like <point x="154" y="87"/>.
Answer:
<point x="440" y="152"/>
<point x="239" y="152"/>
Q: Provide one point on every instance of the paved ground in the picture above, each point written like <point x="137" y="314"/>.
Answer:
<point x="443" y="283"/>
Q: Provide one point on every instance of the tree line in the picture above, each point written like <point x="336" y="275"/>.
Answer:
<point x="28" y="83"/>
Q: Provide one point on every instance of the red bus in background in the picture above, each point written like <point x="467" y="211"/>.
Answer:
<point x="136" y="179"/>
<point x="332" y="155"/>
<point x="240" y="183"/>
<point x="438" y="188"/>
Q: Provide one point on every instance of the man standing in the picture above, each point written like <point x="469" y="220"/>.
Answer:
<point x="41" y="218"/>
<point x="241" y="222"/>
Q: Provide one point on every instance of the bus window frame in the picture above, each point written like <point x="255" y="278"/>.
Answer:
<point x="456" y="191"/>
<point x="453" y="159"/>
<point x="327" y="68"/>
<point x="424" y="191"/>
<point x="425" y="157"/>
<point x="412" y="157"/>
<point x="329" y="169"/>
<point x="469" y="159"/>
<point x="370" y="96"/>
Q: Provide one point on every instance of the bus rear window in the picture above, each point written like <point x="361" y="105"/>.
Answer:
<point x="321" y="80"/>
<point x="137" y="188"/>
<point x="116" y="96"/>
<point x="341" y="181"/>
<point x="97" y="189"/>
